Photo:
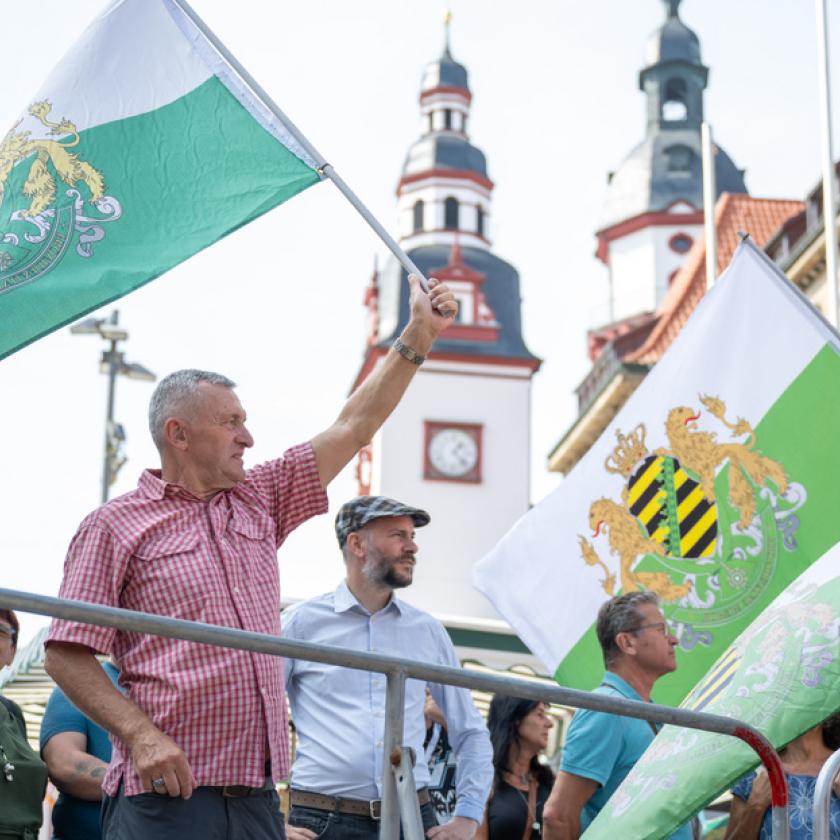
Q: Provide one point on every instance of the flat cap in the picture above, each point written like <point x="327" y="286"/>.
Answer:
<point x="358" y="512"/>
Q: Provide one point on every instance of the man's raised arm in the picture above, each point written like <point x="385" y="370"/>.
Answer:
<point x="372" y="402"/>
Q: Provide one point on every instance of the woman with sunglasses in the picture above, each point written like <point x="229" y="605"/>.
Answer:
<point x="23" y="776"/>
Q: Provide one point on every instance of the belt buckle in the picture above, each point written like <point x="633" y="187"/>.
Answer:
<point x="375" y="809"/>
<point x="236" y="791"/>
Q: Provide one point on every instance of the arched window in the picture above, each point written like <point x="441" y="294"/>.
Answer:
<point x="675" y="101"/>
<point x="479" y="220"/>
<point x="418" y="216"/>
<point x="450" y="214"/>
<point x="447" y="118"/>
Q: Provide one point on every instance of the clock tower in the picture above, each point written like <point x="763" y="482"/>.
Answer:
<point x="458" y="444"/>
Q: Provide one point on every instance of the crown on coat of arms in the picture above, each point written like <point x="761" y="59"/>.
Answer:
<point x="629" y="450"/>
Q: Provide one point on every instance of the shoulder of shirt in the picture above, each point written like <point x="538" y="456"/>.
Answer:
<point x="302" y="610"/>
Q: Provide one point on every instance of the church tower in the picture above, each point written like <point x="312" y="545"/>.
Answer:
<point x="458" y="444"/>
<point x="654" y="204"/>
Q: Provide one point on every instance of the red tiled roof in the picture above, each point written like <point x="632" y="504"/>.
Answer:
<point x="759" y="217"/>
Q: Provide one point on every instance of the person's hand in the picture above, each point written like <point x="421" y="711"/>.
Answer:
<point x="295" y="833"/>
<point x="431" y="313"/>
<point x="157" y="756"/>
<point x="432" y="712"/>
<point x="759" y="797"/>
<point x="458" y="828"/>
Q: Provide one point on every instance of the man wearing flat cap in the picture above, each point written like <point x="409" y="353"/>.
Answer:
<point x="339" y="713"/>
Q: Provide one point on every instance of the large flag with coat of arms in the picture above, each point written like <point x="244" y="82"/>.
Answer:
<point x="141" y="148"/>
<point x="715" y="486"/>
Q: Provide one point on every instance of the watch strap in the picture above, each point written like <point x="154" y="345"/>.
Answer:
<point x="408" y="353"/>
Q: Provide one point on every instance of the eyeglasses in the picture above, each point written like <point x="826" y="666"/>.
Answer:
<point x="9" y="631"/>
<point x="664" y="627"/>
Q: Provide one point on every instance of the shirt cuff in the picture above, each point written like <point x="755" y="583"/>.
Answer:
<point x="469" y="808"/>
<point x="585" y="773"/>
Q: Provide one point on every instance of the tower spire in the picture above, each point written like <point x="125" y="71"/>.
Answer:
<point x="672" y="8"/>
<point x="447" y="19"/>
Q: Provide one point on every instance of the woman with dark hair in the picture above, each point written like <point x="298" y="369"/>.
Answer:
<point x="521" y="784"/>
<point x="802" y="760"/>
<point x="23" y="776"/>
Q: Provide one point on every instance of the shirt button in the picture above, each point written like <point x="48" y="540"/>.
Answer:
<point x="235" y="590"/>
<point x="379" y="743"/>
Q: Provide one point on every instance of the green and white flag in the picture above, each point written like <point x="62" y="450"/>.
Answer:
<point x="782" y="676"/>
<point x="141" y="148"/>
<point x="715" y="486"/>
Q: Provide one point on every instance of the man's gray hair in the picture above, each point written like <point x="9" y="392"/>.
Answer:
<point x="621" y="615"/>
<point x="173" y="392"/>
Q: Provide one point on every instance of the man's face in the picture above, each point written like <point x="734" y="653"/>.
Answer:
<point x="7" y="642"/>
<point x="217" y="437"/>
<point x="654" y="643"/>
<point x="389" y="551"/>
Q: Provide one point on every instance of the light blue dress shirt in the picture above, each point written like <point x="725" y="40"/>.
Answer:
<point x="339" y="713"/>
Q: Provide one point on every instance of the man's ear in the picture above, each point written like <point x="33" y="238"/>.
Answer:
<point x="355" y="544"/>
<point x="175" y="432"/>
<point x="626" y="643"/>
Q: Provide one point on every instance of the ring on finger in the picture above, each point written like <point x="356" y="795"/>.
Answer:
<point x="159" y="782"/>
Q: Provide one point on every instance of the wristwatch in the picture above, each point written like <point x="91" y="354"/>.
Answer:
<point x="408" y="354"/>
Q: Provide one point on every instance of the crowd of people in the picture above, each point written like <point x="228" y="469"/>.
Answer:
<point x="199" y="734"/>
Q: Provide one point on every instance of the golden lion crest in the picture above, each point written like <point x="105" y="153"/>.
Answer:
<point x="668" y="506"/>
<point x="40" y="185"/>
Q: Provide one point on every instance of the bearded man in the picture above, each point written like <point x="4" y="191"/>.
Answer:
<point x="339" y="713"/>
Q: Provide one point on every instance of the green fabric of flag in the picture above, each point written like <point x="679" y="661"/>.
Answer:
<point x="715" y="486"/>
<point x="141" y="149"/>
<point x="781" y="675"/>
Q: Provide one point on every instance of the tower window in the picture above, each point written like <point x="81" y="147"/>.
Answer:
<point x="431" y="121"/>
<point x="679" y="158"/>
<point x="680" y="242"/>
<point x="447" y="118"/>
<point x="675" y="102"/>
<point x="479" y="220"/>
<point x="418" y="216"/>
<point x="450" y="214"/>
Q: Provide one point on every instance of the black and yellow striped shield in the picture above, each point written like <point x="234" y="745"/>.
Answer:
<point x="670" y="505"/>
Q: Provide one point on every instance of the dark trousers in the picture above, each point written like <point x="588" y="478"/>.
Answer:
<point x="206" y="815"/>
<point x="329" y="825"/>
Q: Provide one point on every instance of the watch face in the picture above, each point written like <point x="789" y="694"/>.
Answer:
<point x="453" y="452"/>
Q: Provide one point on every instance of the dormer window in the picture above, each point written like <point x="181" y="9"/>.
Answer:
<point x="675" y="104"/>
<point x="450" y="214"/>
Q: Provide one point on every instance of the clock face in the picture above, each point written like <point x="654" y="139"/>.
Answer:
<point x="453" y="452"/>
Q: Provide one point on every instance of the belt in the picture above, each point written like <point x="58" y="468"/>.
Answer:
<point x="371" y="808"/>
<point x="239" y="791"/>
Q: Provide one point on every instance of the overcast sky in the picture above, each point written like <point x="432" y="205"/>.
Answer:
<point x="278" y="305"/>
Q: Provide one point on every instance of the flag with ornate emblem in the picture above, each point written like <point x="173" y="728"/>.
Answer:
<point x="781" y="675"/>
<point x="141" y="148"/>
<point x="715" y="487"/>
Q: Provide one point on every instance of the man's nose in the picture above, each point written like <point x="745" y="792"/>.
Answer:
<point x="245" y="437"/>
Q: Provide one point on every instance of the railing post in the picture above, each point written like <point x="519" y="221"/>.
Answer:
<point x="402" y="767"/>
<point x="822" y="796"/>
<point x="775" y="775"/>
<point x="389" y="827"/>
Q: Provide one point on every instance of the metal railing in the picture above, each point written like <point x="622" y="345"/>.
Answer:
<point x="822" y="796"/>
<point x="396" y="671"/>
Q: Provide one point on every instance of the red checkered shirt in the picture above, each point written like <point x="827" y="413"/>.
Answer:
<point x="160" y="549"/>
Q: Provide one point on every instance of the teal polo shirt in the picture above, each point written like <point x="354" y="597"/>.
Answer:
<point x="604" y="748"/>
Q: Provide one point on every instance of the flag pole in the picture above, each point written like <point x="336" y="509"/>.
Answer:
<point x="324" y="169"/>
<point x="829" y="183"/>
<point x="709" y="197"/>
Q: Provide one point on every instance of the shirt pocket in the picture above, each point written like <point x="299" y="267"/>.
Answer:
<point x="252" y="540"/>
<point x="172" y="574"/>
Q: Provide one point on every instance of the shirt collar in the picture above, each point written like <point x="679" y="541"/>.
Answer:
<point x="344" y="600"/>
<point x="152" y="486"/>
<point x="621" y="686"/>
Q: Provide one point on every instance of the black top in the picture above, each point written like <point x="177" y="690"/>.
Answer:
<point x="508" y="811"/>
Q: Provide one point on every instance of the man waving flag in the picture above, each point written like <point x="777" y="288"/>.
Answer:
<point x="141" y="148"/>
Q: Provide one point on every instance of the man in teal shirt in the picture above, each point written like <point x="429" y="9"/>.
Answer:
<point x="601" y="748"/>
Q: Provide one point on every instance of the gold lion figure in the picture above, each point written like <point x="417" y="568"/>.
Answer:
<point x="40" y="186"/>
<point x="628" y="542"/>
<point x="702" y="454"/>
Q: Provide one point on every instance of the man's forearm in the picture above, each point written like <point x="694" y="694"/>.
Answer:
<point x="560" y="826"/>
<point x="77" y="671"/>
<point x="78" y="774"/>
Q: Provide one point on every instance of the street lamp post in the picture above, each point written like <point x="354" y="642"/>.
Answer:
<point x="112" y="363"/>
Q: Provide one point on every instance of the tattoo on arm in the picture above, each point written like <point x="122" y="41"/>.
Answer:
<point x="90" y="767"/>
